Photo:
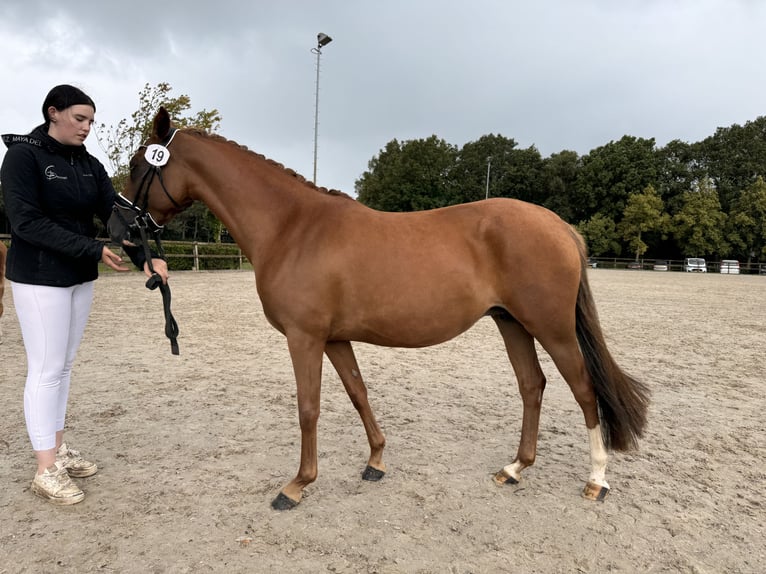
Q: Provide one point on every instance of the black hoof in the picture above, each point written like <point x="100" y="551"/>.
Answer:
<point x="511" y="480"/>
<point x="283" y="502"/>
<point x="372" y="474"/>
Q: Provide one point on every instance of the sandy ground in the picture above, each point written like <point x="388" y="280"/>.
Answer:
<point x="193" y="448"/>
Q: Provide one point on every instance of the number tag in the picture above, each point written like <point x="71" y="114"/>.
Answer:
<point x="157" y="155"/>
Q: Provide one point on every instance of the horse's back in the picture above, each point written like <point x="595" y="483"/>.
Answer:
<point x="484" y="238"/>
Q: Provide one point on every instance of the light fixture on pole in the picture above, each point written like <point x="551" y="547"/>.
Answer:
<point x="322" y="40"/>
<point x="489" y="163"/>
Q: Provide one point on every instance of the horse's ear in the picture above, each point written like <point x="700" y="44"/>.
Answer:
<point x="161" y="126"/>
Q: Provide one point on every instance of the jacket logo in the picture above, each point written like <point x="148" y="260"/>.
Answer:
<point x="50" y="174"/>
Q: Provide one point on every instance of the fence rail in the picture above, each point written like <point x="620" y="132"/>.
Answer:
<point x="195" y="256"/>
<point x="753" y="267"/>
<point x="199" y="256"/>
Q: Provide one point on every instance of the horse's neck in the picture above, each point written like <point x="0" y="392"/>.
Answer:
<point x="255" y="199"/>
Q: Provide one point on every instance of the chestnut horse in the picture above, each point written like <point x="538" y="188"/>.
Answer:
<point x="330" y="270"/>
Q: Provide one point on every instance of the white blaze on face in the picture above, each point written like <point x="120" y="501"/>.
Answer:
<point x="598" y="456"/>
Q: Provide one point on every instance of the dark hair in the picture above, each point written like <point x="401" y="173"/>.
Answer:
<point x="63" y="96"/>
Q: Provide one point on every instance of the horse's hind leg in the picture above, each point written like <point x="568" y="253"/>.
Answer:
<point x="521" y="351"/>
<point x="341" y="355"/>
<point x="570" y="363"/>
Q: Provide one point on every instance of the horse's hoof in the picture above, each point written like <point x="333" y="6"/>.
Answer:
<point x="593" y="491"/>
<point x="283" y="502"/>
<point x="372" y="474"/>
<point x="503" y="478"/>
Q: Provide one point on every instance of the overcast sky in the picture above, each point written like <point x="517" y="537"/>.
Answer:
<point x="556" y="74"/>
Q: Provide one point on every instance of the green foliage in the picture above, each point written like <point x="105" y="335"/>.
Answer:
<point x="689" y="191"/>
<point x="608" y="174"/>
<point x="512" y="172"/>
<point x="423" y="174"/>
<point x="643" y="213"/>
<point x="734" y="157"/>
<point x="600" y="234"/>
<point x="470" y="171"/>
<point x="411" y="176"/>
<point x="219" y="256"/>
<point x="120" y="142"/>
<point x="559" y="178"/>
<point x="746" y="226"/>
<point x="679" y="168"/>
<point x="180" y="256"/>
<point x="698" y="226"/>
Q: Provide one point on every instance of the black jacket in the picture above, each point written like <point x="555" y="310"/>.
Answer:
<point x="52" y="194"/>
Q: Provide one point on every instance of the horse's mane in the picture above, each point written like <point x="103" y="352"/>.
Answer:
<point x="293" y="173"/>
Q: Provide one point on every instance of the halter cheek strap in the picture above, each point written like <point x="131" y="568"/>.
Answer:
<point x="142" y="223"/>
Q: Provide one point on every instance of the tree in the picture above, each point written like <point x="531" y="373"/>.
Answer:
<point x="470" y="171"/>
<point x="410" y="176"/>
<point x="746" y="226"/>
<point x="121" y="142"/>
<point x="600" y="234"/>
<point x="609" y="173"/>
<point x="680" y="167"/>
<point x="734" y="157"/>
<point x="644" y="213"/>
<point x="559" y="177"/>
<point x="698" y="226"/>
<point x="512" y="172"/>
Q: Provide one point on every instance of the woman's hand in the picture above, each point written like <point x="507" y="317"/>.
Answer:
<point x="111" y="259"/>
<point x="160" y="268"/>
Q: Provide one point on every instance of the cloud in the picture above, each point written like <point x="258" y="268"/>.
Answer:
<point x="554" y="74"/>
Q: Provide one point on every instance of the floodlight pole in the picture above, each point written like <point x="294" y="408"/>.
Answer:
<point x="322" y="40"/>
<point x="489" y="163"/>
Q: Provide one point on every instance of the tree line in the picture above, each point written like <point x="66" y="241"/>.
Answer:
<point x="628" y="198"/>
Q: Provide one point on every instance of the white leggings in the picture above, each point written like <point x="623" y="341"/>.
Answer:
<point x="52" y="321"/>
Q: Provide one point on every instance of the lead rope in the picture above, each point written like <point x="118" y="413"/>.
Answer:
<point x="171" y="327"/>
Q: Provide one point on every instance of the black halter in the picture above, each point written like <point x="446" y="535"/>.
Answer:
<point x="135" y="218"/>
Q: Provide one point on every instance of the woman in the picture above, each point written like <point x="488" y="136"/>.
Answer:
<point x="53" y="189"/>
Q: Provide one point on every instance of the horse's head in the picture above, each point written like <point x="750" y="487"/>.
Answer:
<point x="154" y="192"/>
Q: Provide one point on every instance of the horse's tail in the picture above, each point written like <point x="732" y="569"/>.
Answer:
<point x="622" y="400"/>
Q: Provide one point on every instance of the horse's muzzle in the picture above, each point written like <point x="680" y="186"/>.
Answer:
<point x="126" y="222"/>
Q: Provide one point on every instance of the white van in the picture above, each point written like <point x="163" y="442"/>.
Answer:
<point x="730" y="266"/>
<point x="695" y="265"/>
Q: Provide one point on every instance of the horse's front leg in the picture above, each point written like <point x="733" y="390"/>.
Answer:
<point x="306" y="355"/>
<point x="341" y="355"/>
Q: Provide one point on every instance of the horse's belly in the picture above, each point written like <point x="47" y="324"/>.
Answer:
<point x="408" y="326"/>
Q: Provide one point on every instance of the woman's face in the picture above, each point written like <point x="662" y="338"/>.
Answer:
<point x="72" y="125"/>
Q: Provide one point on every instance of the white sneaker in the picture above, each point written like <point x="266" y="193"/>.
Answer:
<point x="56" y="487"/>
<point x="75" y="465"/>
